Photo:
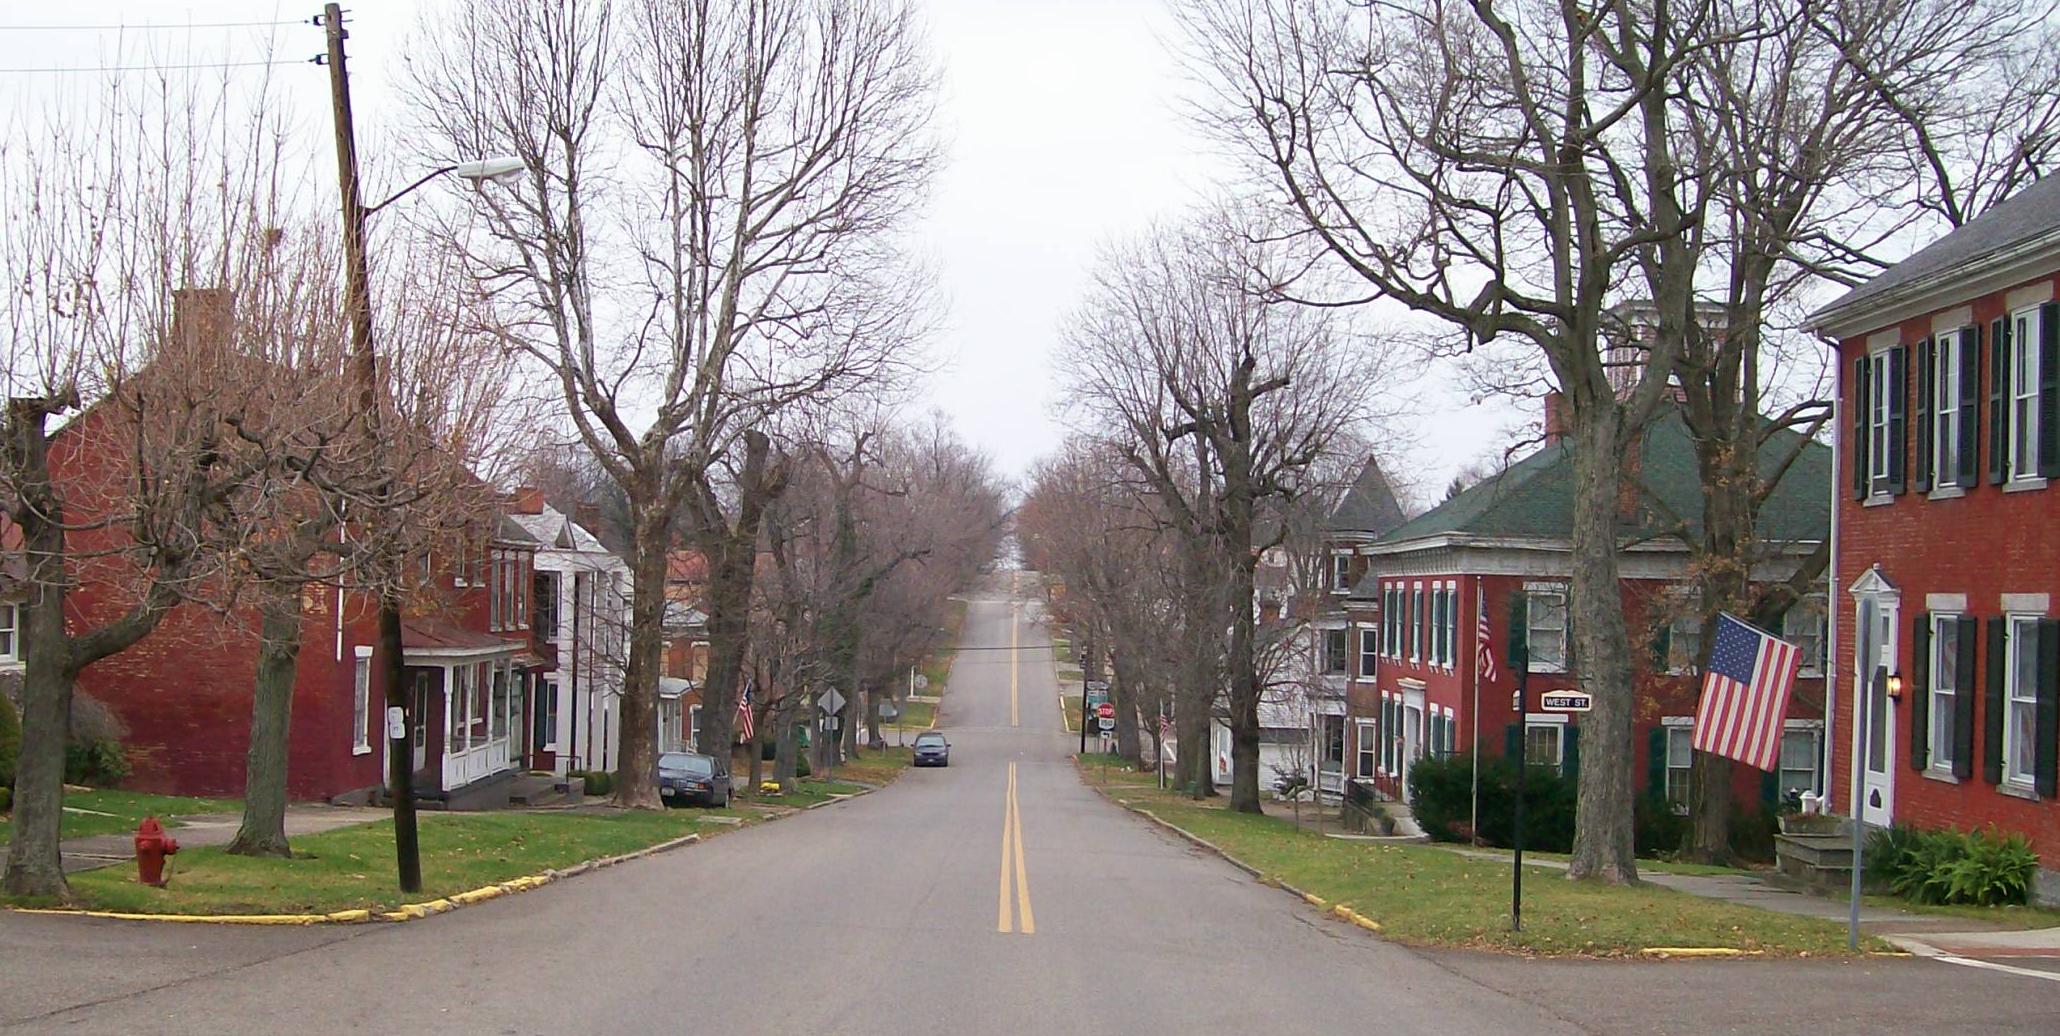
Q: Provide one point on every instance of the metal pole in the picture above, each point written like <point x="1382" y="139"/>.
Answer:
<point x="1516" y="870"/>
<point x="1862" y="701"/>
<point x="358" y="298"/>
<point x="1480" y="599"/>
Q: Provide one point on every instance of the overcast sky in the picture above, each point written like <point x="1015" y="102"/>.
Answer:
<point x="1064" y="130"/>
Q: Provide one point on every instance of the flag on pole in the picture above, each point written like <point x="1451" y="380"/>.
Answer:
<point x="1745" y="694"/>
<point x="1165" y="725"/>
<point x="744" y="727"/>
<point x="1483" y="641"/>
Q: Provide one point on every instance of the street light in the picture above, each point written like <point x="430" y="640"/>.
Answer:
<point x="499" y="169"/>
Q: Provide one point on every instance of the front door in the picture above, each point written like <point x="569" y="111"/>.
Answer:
<point x="1877" y="659"/>
<point x="1412" y="740"/>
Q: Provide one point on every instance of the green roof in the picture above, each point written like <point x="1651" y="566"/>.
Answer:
<point x="1533" y="497"/>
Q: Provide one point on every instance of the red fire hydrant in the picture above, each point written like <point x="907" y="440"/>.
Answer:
<point x="152" y="846"/>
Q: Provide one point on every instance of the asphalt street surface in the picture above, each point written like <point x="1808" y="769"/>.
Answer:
<point x="998" y="895"/>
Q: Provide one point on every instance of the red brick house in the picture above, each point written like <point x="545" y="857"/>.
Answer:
<point x="1946" y="549"/>
<point x="1417" y="610"/>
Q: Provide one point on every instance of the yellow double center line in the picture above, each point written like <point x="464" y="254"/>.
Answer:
<point x="1012" y="871"/>
<point x="1015" y="711"/>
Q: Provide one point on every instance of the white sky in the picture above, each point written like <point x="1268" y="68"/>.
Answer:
<point x="1063" y="127"/>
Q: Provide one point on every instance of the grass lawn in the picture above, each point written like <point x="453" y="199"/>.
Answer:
<point x="808" y="791"/>
<point x="916" y="715"/>
<point x="352" y="867"/>
<point x="118" y="812"/>
<point x="876" y="767"/>
<point x="2018" y="916"/>
<point x="1072" y="702"/>
<point x="1063" y="650"/>
<point x="1427" y="896"/>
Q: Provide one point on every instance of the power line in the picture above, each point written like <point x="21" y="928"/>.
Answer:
<point x="149" y="68"/>
<point x="118" y="27"/>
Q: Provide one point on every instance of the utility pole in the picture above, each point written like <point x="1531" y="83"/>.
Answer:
<point x="365" y="366"/>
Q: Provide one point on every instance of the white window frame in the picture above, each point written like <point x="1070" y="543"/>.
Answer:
<point x="1945" y="409"/>
<point x="1790" y="728"/>
<point x="1369" y="652"/>
<point x="1944" y="685"/>
<point x="2021" y="401"/>
<point x="1366" y="754"/>
<point x="1682" y="727"/>
<point x="361" y="702"/>
<point x="1340" y="573"/>
<point x="1812" y="607"/>
<point x="10" y="632"/>
<point x="2020" y="634"/>
<point x="1556" y="724"/>
<point x="1684" y="626"/>
<point x="552" y="704"/>
<point x="1531" y="629"/>
<point x="1416" y="607"/>
<point x="1877" y="420"/>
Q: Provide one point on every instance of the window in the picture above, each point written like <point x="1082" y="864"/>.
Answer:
<point x="1416" y="625"/>
<point x="1391" y="613"/>
<point x="1334" y="648"/>
<point x="2020" y="710"/>
<point x="1680" y="757"/>
<point x="1684" y="642"/>
<point x="1545" y="637"/>
<point x="493" y="595"/>
<point x="1801" y="751"/>
<point x="1368" y="743"/>
<point x="546" y="734"/>
<point x="1545" y="744"/>
<point x="546" y="601"/>
<point x="1389" y="710"/>
<point x="361" y="704"/>
<point x="1947" y="654"/>
<point x="1340" y="573"/>
<point x="1440" y="611"/>
<point x="460" y="700"/>
<point x="1369" y="652"/>
<point x="2023" y="397"/>
<point x="1803" y="626"/>
<point x="499" y="714"/>
<point x="1945" y="409"/>
<point x="10" y="640"/>
<point x="1451" y="626"/>
<point x="518" y="616"/>
<point x="1333" y="758"/>
<point x="693" y="725"/>
<point x="1877" y="421"/>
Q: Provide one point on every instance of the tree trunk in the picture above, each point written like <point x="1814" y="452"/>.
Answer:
<point x="34" y="862"/>
<point x="263" y="832"/>
<point x="637" y="763"/>
<point x="1604" y="828"/>
<point x="732" y="554"/>
<point x="1244" y="690"/>
<point x="786" y="750"/>
<point x="1123" y="695"/>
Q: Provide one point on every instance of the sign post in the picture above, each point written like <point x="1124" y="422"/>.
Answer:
<point x="1520" y="663"/>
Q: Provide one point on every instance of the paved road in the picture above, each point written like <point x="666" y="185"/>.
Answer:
<point x="884" y="915"/>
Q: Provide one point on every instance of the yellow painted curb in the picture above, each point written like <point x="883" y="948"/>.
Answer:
<point x="1697" y="951"/>
<point x="265" y="919"/>
<point x="1356" y="917"/>
<point x="1314" y="900"/>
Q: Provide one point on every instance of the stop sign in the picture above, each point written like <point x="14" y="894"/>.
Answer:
<point x="1105" y="710"/>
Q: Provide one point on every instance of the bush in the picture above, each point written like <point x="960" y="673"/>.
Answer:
<point x="598" y="782"/>
<point x="98" y="764"/>
<point x="6" y="800"/>
<point x="1753" y="829"/>
<point x="10" y="741"/>
<point x="1657" y="828"/>
<point x="1441" y="793"/>
<point x="1983" y="868"/>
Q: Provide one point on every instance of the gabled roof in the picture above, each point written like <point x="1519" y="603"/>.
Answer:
<point x="552" y="529"/>
<point x="2024" y="222"/>
<point x="1533" y="498"/>
<point x="1368" y="505"/>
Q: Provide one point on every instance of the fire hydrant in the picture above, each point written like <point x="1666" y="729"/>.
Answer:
<point x="152" y="846"/>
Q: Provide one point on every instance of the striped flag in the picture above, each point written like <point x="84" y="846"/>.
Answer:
<point x="744" y="727"/>
<point x="1745" y="694"/>
<point x="1483" y="642"/>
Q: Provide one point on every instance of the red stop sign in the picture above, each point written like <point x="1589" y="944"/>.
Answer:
<point x="1106" y="710"/>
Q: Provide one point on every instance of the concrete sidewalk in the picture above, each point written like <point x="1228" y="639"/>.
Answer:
<point x="85" y="854"/>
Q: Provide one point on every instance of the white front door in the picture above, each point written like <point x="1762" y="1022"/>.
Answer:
<point x="1412" y="738"/>
<point x="1877" y="659"/>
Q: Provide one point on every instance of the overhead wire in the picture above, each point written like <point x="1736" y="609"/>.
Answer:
<point x="118" y="27"/>
<point x="163" y="26"/>
<point x="152" y="68"/>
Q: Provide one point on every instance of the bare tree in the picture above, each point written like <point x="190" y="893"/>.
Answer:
<point x="705" y="233"/>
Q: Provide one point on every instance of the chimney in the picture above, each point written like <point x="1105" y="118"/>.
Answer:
<point x="527" y="500"/>
<point x="1630" y="490"/>
<point x="1555" y="417"/>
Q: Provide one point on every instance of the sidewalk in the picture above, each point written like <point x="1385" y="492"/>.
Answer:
<point x="85" y="854"/>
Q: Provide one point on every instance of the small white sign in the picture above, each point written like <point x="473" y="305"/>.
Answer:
<point x="1565" y="701"/>
<point x="396" y="723"/>
<point x="1108" y="722"/>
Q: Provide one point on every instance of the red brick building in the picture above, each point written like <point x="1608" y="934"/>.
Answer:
<point x="1946" y="549"/>
<point x="1417" y="612"/>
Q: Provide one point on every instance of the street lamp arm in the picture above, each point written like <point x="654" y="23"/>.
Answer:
<point x="409" y="189"/>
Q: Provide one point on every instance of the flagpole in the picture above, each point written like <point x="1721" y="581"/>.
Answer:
<point x="1480" y="600"/>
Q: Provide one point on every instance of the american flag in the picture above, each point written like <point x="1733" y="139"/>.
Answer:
<point x="1745" y="694"/>
<point x="1483" y="642"/>
<point x="1165" y="725"/>
<point x="744" y="727"/>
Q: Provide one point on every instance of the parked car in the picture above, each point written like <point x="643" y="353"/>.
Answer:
<point x="694" y="778"/>
<point x="932" y="749"/>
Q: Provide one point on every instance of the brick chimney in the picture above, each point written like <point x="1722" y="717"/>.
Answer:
<point x="526" y="500"/>
<point x="1555" y="417"/>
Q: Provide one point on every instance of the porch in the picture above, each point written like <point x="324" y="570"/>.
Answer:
<point x="467" y="696"/>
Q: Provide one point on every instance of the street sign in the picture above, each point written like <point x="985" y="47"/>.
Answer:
<point x="1565" y="701"/>
<point x="889" y="710"/>
<point x="1108" y="723"/>
<point x="1106" y="711"/>
<point x="922" y="682"/>
<point x="1097" y="686"/>
<point x="1095" y="697"/>
<point x="831" y="702"/>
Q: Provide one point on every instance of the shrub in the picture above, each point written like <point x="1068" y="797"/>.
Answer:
<point x="598" y="782"/>
<point x="1657" y="828"/>
<point x="1753" y="828"/>
<point x="6" y="800"/>
<point x="1983" y="868"/>
<point x="100" y="763"/>
<point x="10" y="741"/>
<point x="1441" y="792"/>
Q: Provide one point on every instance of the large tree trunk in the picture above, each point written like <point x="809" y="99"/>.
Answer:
<point x="34" y="862"/>
<point x="1244" y="691"/>
<point x="1724" y="584"/>
<point x="637" y="763"/>
<point x="1603" y="829"/>
<point x="263" y="832"/>
<point x="732" y="553"/>
<point x="786" y="749"/>
<point x="1123" y="694"/>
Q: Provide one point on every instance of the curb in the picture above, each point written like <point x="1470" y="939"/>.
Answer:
<point x="405" y="912"/>
<point x="1697" y="951"/>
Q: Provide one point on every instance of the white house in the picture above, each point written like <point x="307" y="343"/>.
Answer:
<point x="582" y="617"/>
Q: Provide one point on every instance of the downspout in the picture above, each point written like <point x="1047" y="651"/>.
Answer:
<point x="1831" y="601"/>
<point x="572" y="687"/>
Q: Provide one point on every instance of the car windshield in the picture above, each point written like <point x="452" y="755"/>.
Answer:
<point x="930" y="741"/>
<point x="687" y="762"/>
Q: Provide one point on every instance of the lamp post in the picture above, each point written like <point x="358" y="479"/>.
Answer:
<point x="365" y="369"/>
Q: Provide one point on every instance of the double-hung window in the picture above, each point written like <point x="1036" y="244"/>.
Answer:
<point x="1390" y="622"/>
<point x="2020" y="705"/>
<point x="1680" y="758"/>
<point x="1945" y="409"/>
<point x="361" y="704"/>
<point x="1367" y="741"/>
<point x="1684" y="640"/>
<point x="1369" y="652"/>
<point x="1545" y="744"/>
<point x="2022" y="399"/>
<point x="1947" y="656"/>
<point x="10" y="633"/>
<point x="1416" y="624"/>
<point x="1545" y="637"/>
<point x="1879" y="395"/>
<point x="1801" y="758"/>
<point x="1340" y="573"/>
<point x="1334" y="652"/>
<point x="1803" y="626"/>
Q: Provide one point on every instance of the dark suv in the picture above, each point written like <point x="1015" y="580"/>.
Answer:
<point x="932" y="749"/>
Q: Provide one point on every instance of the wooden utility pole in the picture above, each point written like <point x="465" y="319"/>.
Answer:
<point x="365" y="366"/>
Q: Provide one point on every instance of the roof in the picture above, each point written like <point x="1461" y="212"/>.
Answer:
<point x="2027" y="219"/>
<point x="686" y="566"/>
<point x="508" y="530"/>
<point x="1368" y="505"/>
<point x="1533" y="498"/>
<point x="443" y="637"/>
<point x="551" y="528"/>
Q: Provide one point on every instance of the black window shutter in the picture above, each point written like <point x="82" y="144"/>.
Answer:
<point x="1920" y="696"/>
<point x="1857" y="436"/>
<point x="1963" y="699"/>
<point x="1969" y="444"/>
<point x="1770" y="786"/>
<point x="2046" y="746"/>
<point x="1992" y="704"/>
<point x="1656" y="762"/>
<point x="1898" y="418"/>
<point x="1571" y="749"/>
<point x="1662" y="645"/>
<point x="1927" y="394"/>
<point x="1513" y="742"/>
<point x="2049" y="390"/>
<point x="1999" y="401"/>
<point x="1519" y="632"/>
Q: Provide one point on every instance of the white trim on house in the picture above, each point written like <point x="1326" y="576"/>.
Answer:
<point x="2029" y="260"/>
